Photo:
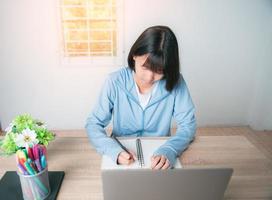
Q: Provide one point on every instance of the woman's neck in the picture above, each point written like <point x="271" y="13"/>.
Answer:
<point x="143" y="88"/>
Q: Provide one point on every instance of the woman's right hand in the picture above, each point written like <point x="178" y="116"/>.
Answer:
<point x="126" y="159"/>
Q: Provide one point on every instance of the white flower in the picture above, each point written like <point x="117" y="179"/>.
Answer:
<point x="9" y="128"/>
<point x="26" y="138"/>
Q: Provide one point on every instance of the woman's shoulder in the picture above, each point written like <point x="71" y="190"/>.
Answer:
<point x="181" y="85"/>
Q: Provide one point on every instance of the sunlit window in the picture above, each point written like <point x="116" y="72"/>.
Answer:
<point x="89" y="28"/>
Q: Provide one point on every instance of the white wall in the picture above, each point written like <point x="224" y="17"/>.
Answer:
<point x="225" y="48"/>
<point x="260" y="113"/>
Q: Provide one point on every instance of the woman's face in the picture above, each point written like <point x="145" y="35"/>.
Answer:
<point x="143" y="75"/>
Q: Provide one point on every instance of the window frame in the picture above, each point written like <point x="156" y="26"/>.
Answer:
<point x="106" y="61"/>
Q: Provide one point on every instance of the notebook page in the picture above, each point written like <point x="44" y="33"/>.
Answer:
<point x="148" y="146"/>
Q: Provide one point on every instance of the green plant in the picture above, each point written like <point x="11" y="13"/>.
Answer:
<point x="24" y="131"/>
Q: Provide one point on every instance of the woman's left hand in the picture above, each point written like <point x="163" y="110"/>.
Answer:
<point x="159" y="162"/>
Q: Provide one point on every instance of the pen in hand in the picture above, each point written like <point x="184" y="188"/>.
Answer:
<point x="125" y="154"/>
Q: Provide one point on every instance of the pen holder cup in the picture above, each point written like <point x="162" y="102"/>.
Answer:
<point x="35" y="186"/>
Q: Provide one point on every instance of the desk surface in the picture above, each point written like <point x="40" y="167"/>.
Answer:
<point x="252" y="177"/>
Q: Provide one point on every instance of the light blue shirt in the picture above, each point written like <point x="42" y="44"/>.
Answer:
<point x="119" y="101"/>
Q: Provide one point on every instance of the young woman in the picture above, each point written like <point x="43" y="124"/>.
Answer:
<point x="143" y="98"/>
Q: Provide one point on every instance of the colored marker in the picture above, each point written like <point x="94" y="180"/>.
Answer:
<point x="44" y="150"/>
<point x="22" y="169"/>
<point x="29" y="168"/>
<point x="43" y="162"/>
<point x="41" y="185"/>
<point x="32" y="165"/>
<point x="37" y="162"/>
<point x="21" y="155"/>
<point x="22" y="163"/>
<point x="40" y="151"/>
<point x="35" y="152"/>
<point x="25" y="152"/>
<point x="30" y="154"/>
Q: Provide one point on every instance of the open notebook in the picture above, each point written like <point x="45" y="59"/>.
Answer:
<point x="149" y="146"/>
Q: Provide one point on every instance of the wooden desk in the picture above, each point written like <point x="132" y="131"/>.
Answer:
<point x="252" y="178"/>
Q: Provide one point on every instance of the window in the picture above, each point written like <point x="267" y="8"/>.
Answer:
<point x="91" y="31"/>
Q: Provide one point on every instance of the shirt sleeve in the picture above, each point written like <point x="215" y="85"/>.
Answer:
<point x="99" y="119"/>
<point x="184" y="114"/>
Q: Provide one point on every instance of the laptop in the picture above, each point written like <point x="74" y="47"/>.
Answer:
<point x="175" y="184"/>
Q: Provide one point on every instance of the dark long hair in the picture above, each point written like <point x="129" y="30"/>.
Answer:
<point x="161" y="45"/>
